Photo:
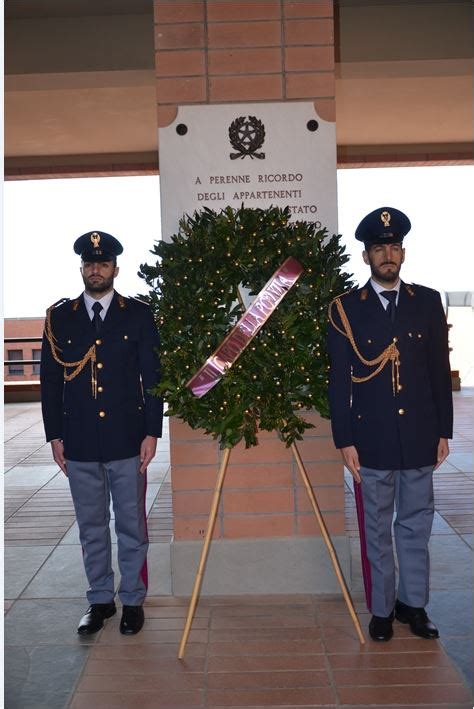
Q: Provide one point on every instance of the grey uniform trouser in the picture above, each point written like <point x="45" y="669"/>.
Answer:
<point x="92" y="485"/>
<point x="412" y="493"/>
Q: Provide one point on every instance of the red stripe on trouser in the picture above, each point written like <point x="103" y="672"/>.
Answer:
<point x="366" y="574"/>
<point x="144" y="571"/>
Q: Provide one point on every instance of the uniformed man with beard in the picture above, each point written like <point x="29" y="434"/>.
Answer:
<point x="98" y="362"/>
<point x="391" y="415"/>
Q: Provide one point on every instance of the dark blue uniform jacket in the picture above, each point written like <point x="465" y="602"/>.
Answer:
<point x="112" y="425"/>
<point x="390" y="431"/>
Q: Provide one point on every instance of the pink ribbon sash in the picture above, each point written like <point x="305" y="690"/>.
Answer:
<point x="245" y="330"/>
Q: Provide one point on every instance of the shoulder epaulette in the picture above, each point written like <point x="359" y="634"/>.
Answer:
<point x="346" y="292"/>
<point x="138" y="300"/>
<point x="59" y="302"/>
<point x="424" y="288"/>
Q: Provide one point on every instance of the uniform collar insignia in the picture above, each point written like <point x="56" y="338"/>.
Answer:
<point x="363" y="294"/>
<point x="409" y="289"/>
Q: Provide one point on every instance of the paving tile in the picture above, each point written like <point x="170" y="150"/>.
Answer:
<point x="380" y="696"/>
<point x="20" y="566"/>
<point x="159" y="569"/>
<point x="37" y="475"/>
<point x="39" y="677"/>
<point x="156" y="608"/>
<point x="142" y="665"/>
<point x="460" y="652"/>
<point x="391" y="660"/>
<point x="452" y="611"/>
<point x="153" y="682"/>
<point x="450" y="559"/>
<point x="45" y="622"/>
<point x="304" y="608"/>
<point x="294" y="697"/>
<point x="62" y="576"/>
<point x="468" y="539"/>
<point x="271" y="680"/>
<point x="265" y="647"/>
<point x="407" y="676"/>
<point x="144" y="652"/>
<point x="340" y="642"/>
<point x="258" y="623"/>
<point x="277" y="635"/>
<point x="259" y="663"/>
<point x="137" y="700"/>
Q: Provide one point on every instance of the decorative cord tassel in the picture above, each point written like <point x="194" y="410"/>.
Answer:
<point x="79" y="365"/>
<point x="390" y="353"/>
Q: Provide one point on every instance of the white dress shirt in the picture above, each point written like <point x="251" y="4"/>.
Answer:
<point x="104" y="301"/>
<point x="379" y="289"/>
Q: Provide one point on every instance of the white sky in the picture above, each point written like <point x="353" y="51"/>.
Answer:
<point x="43" y="218"/>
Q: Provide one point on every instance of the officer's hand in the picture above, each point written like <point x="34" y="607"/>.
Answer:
<point x="351" y="461"/>
<point x="147" y="452"/>
<point x="443" y="451"/>
<point x="57" y="447"/>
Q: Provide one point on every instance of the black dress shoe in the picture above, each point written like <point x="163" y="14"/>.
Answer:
<point x="94" y="618"/>
<point x="132" y="621"/>
<point x="417" y="619"/>
<point x="380" y="628"/>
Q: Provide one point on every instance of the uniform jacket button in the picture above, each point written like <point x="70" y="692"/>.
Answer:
<point x="401" y="411"/>
<point x="98" y="342"/>
<point x="100" y="389"/>
<point x="101" y="414"/>
<point x="99" y="365"/>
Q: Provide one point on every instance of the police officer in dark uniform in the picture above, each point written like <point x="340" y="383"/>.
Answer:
<point x="98" y="363"/>
<point x="391" y="415"/>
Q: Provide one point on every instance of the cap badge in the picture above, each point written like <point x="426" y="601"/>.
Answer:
<point x="95" y="238"/>
<point x="385" y="217"/>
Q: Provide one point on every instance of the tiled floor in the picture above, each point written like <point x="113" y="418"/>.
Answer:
<point x="262" y="651"/>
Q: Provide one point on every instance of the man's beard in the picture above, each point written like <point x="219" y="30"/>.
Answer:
<point x="102" y="285"/>
<point x="389" y="276"/>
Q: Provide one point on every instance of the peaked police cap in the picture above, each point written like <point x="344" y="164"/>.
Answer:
<point x="385" y="225"/>
<point x="97" y="246"/>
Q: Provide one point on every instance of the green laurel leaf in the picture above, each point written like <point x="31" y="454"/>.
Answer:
<point x="193" y="287"/>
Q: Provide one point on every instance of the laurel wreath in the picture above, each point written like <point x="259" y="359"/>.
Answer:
<point x="193" y="291"/>
<point x="238" y="145"/>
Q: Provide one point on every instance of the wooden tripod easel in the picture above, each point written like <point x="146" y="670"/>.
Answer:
<point x="210" y="529"/>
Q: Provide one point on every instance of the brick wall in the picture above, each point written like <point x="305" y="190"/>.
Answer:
<point x="263" y="494"/>
<point x="22" y="327"/>
<point x="224" y="51"/>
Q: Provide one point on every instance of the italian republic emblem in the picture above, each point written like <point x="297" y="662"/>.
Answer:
<point x="247" y="135"/>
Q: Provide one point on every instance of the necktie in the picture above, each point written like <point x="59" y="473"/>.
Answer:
<point x="391" y="296"/>
<point x="97" y="320"/>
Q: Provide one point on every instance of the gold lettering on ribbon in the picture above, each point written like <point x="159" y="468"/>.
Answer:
<point x="245" y="330"/>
